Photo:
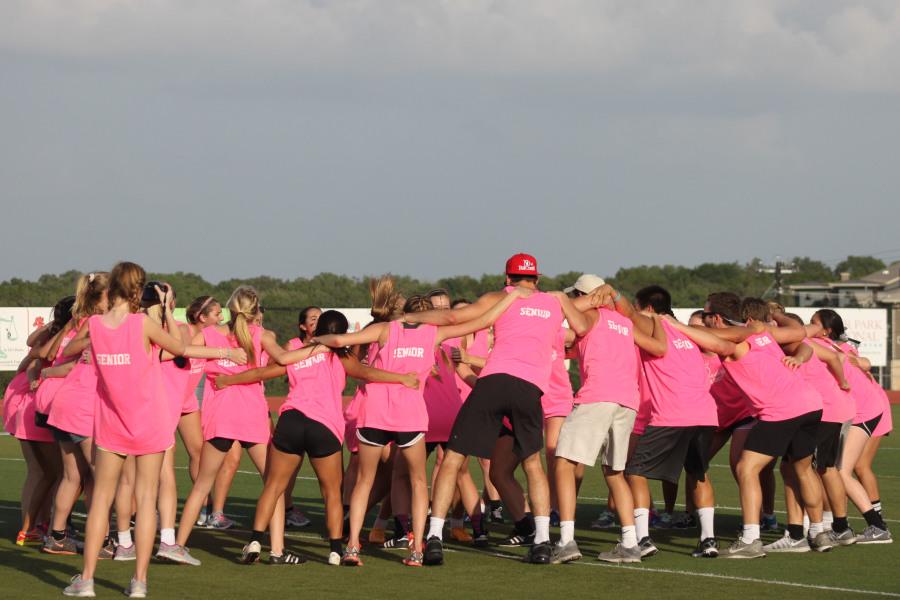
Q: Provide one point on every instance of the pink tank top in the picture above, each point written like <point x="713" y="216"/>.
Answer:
<point x="351" y="411"/>
<point x="22" y="410"/>
<point x="72" y="408"/>
<point x="316" y="385"/>
<point x="868" y="401"/>
<point x="523" y="339"/>
<point x="133" y="414"/>
<point x="442" y="399"/>
<point x="644" y="408"/>
<point x="837" y="406"/>
<point x="777" y="393"/>
<point x="393" y="406"/>
<point x="480" y="347"/>
<point x="608" y="362"/>
<point x="239" y="412"/>
<point x="43" y="397"/>
<point x="175" y="381"/>
<point x="12" y="400"/>
<point x="886" y="424"/>
<point x="732" y="404"/>
<point x="679" y="384"/>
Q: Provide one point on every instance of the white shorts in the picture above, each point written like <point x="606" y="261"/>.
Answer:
<point x="594" y="428"/>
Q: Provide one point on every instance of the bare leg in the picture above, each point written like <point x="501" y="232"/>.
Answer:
<point x="854" y="444"/>
<point x="225" y="477"/>
<point x="192" y="437"/>
<point x="146" y="488"/>
<point x="415" y="459"/>
<point x="369" y="457"/>
<point x="810" y="488"/>
<point x="258" y="453"/>
<point x="109" y="466"/>
<point x="503" y="467"/>
<point x="329" y="471"/>
<point x="76" y="472"/>
<point x="210" y="462"/>
<point x="864" y="471"/>
<point x="168" y="491"/>
<point x="552" y="427"/>
<point x="124" y="501"/>
<point x="280" y="469"/>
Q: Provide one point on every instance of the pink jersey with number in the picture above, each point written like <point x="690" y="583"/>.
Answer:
<point x="393" y="406"/>
<point x="557" y="401"/>
<point x="238" y="412"/>
<point x="523" y="339"/>
<point x="351" y="411"/>
<point x="13" y="397"/>
<point x="316" y="385"/>
<point x="868" y="401"/>
<point x="679" y="384"/>
<point x="442" y="399"/>
<point x="646" y="398"/>
<point x="43" y="397"/>
<point x="133" y="414"/>
<point x="837" y="406"/>
<point x="732" y="404"/>
<point x="777" y="393"/>
<point x="72" y="409"/>
<point x="608" y="361"/>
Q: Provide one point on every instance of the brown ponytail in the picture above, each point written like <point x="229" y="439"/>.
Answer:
<point x="386" y="299"/>
<point x="89" y="294"/>
<point x="126" y="282"/>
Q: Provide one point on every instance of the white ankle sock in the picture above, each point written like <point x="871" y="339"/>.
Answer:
<point x="815" y="529"/>
<point x="167" y="536"/>
<point x="642" y="522"/>
<point x="629" y="537"/>
<point x="436" y="528"/>
<point x="877" y="506"/>
<point x="124" y="538"/>
<point x="827" y="519"/>
<point x="706" y="516"/>
<point x="566" y="531"/>
<point x="541" y="529"/>
<point x="750" y="533"/>
<point x="805" y="523"/>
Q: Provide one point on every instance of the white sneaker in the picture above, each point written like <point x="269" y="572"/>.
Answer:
<point x="786" y="544"/>
<point x="136" y="589"/>
<point x="250" y="553"/>
<point x="334" y="559"/>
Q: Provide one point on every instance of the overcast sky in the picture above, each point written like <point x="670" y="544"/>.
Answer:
<point x="235" y="138"/>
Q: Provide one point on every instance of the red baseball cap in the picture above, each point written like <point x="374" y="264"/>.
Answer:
<point x="522" y="264"/>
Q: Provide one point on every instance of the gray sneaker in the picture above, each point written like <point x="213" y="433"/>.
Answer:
<point x="80" y="588"/>
<point x="823" y="542"/>
<point x="874" y="535"/>
<point x="176" y="554"/>
<point x="606" y="520"/>
<point x="620" y="554"/>
<point x="740" y="549"/>
<point x="564" y="553"/>
<point x="65" y="546"/>
<point x="787" y="544"/>
<point x="218" y="520"/>
<point x="844" y="538"/>
<point x="125" y="553"/>
<point x="136" y="589"/>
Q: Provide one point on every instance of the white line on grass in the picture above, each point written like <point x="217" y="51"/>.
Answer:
<point x="642" y="569"/>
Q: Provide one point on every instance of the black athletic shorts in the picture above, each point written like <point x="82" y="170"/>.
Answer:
<point x="739" y="423"/>
<point x="382" y="437"/>
<point x="828" y="445"/>
<point x="430" y="447"/>
<point x="792" y="438"/>
<point x="224" y="444"/>
<point x="870" y="425"/>
<point x="40" y="419"/>
<point x="295" y="433"/>
<point x="64" y="436"/>
<point x="662" y="452"/>
<point x="476" y="428"/>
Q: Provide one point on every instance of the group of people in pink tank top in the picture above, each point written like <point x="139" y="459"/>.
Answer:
<point x="109" y="381"/>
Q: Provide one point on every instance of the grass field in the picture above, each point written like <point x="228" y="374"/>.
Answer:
<point x="851" y="572"/>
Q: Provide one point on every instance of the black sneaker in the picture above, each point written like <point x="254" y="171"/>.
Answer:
<point x="518" y="539"/>
<point x="398" y="543"/>
<point x="288" y="558"/>
<point x="539" y="554"/>
<point x="434" y="551"/>
<point x="708" y="548"/>
<point x="648" y="548"/>
<point x="481" y="540"/>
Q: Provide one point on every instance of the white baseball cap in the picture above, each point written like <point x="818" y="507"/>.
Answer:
<point x="585" y="284"/>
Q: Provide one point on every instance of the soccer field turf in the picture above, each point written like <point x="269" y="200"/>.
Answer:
<point x="856" y="571"/>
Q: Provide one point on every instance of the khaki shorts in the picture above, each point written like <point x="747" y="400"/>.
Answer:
<point x="594" y="428"/>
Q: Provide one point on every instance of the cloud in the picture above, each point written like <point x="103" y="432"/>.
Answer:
<point x="652" y="44"/>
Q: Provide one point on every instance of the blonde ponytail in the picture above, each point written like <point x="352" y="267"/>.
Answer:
<point x="387" y="301"/>
<point x="244" y="308"/>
